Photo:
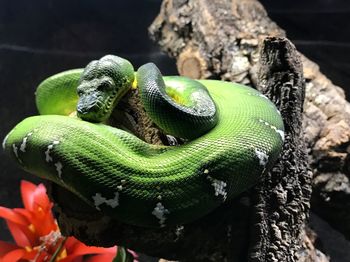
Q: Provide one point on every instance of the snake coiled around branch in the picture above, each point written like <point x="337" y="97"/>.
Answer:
<point x="234" y="135"/>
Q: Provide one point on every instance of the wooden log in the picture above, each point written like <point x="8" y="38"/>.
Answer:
<point x="227" y="33"/>
<point x="283" y="199"/>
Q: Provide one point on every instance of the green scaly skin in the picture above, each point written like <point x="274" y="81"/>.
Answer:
<point x="101" y="85"/>
<point x="182" y="107"/>
<point x="149" y="185"/>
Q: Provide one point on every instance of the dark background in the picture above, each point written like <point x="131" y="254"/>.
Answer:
<point x="42" y="37"/>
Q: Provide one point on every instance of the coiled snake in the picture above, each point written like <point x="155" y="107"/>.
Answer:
<point x="235" y="134"/>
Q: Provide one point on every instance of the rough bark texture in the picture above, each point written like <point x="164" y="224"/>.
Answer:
<point x="283" y="200"/>
<point x="219" y="39"/>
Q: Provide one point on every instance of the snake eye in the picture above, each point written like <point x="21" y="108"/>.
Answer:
<point x="105" y="86"/>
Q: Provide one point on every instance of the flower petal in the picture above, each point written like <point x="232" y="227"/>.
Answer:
<point x="27" y="189"/>
<point x="44" y="223"/>
<point x="82" y="249"/>
<point x="13" y="216"/>
<point x="41" y="200"/>
<point x="6" y="247"/>
<point x="35" y="197"/>
<point x="18" y="255"/>
<point x="24" y="212"/>
<point x="73" y="259"/>
<point x="76" y="249"/>
<point x="13" y="255"/>
<point x="22" y="237"/>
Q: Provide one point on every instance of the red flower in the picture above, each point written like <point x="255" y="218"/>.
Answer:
<point x="37" y="236"/>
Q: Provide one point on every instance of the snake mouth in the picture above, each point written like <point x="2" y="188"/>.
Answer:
<point x="95" y="107"/>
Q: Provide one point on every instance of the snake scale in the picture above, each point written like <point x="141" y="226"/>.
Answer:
<point x="234" y="135"/>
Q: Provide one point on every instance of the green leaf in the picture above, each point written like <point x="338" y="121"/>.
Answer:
<point x="123" y="255"/>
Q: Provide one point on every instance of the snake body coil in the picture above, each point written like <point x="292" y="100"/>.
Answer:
<point x="235" y="138"/>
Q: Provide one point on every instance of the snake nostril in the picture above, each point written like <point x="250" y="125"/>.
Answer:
<point x="87" y="109"/>
<point x="88" y="103"/>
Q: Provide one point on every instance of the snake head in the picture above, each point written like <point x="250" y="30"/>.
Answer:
<point x="96" y="99"/>
<point x="101" y="86"/>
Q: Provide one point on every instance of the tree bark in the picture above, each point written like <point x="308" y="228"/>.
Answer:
<point x="284" y="198"/>
<point x="219" y="39"/>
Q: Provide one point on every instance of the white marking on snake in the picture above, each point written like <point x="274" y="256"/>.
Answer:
<point x="160" y="212"/>
<point x="24" y="142"/>
<point x="258" y="95"/>
<point x="262" y="156"/>
<point x="59" y="167"/>
<point x="219" y="187"/>
<point x="48" y="158"/>
<point x="15" y="150"/>
<point x="281" y="133"/>
<point x="99" y="200"/>
<point x="23" y="145"/>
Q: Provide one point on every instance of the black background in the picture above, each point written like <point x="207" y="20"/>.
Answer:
<point x="42" y="37"/>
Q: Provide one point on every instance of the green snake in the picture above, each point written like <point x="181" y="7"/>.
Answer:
<point x="233" y="135"/>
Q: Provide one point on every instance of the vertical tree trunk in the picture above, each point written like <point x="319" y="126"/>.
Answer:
<point x="219" y="39"/>
<point x="283" y="199"/>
